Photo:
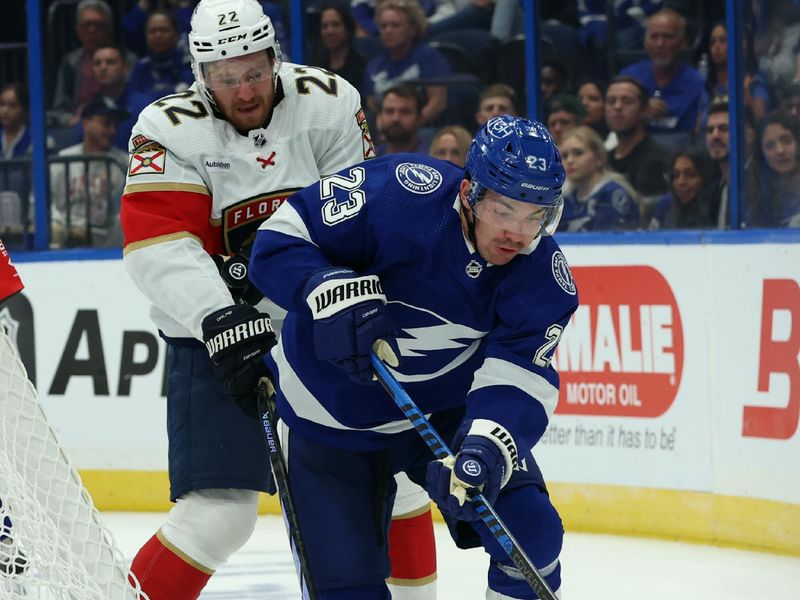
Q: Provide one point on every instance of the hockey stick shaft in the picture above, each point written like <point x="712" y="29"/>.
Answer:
<point x="484" y="509"/>
<point x="268" y="415"/>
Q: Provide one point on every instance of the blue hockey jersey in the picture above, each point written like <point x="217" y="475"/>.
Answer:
<point x="608" y="207"/>
<point x="468" y="332"/>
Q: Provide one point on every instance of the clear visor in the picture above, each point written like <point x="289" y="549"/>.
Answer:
<point x="234" y="72"/>
<point x="517" y="217"/>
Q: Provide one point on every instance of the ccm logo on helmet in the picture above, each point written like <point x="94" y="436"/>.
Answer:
<point x="233" y="38"/>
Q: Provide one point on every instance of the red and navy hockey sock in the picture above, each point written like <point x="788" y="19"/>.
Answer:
<point x="412" y="551"/>
<point x="165" y="573"/>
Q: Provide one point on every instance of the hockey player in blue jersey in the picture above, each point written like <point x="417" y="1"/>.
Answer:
<point x="456" y="277"/>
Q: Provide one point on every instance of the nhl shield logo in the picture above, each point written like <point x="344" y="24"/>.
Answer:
<point x="258" y="137"/>
<point x="474" y="269"/>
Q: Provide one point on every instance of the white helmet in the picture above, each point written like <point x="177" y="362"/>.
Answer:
<point x="228" y="28"/>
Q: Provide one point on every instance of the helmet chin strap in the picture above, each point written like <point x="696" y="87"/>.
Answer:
<point x="469" y="217"/>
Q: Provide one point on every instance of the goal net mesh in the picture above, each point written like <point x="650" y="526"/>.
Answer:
<point x="53" y="544"/>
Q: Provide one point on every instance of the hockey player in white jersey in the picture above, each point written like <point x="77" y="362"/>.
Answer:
<point x="207" y="166"/>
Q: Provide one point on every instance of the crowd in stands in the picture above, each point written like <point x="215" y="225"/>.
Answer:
<point x="635" y="96"/>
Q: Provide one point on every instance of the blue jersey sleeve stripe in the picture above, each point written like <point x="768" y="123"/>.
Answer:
<point x="306" y="406"/>
<point x="288" y="222"/>
<point x="495" y="371"/>
<point x="303" y="403"/>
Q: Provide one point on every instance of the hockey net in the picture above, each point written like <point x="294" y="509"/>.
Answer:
<point x="53" y="544"/>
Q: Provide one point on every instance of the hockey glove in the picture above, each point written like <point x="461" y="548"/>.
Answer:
<point x="483" y="462"/>
<point x="349" y="317"/>
<point x="238" y="338"/>
<point x="234" y="270"/>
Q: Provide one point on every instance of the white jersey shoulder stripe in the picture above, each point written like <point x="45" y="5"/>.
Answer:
<point x="495" y="371"/>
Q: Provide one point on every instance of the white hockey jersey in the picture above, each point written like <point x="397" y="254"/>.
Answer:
<point x="196" y="187"/>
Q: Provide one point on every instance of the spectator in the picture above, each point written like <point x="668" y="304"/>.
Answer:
<point x="451" y="143"/>
<point x="111" y="72"/>
<point x="166" y="69"/>
<point x="590" y="94"/>
<point x="495" y="100"/>
<point x="75" y="82"/>
<point x="595" y="199"/>
<point x="775" y="41"/>
<point x="91" y="187"/>
<point x="364" y="14"/>
<point x="717" y="140"/>
<point x="676" y="89"/>
<point x="405" y="57"/>
<point x="15" y="142"/>
<point x="684" y="206"/>
<point x="337" y="29"/>
<point x="555" y="78"/>
<point x="717" y="81"/>
<point x="134" y="23"/>
<point x="399" y="121"/>
<point x="636" y="156"/>
<point x="778" y="147"/>
<point x="15" y="137"/>
<point x="564" y="112"/>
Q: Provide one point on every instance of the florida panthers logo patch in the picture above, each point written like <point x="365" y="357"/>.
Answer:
<point x="418" y="178"/>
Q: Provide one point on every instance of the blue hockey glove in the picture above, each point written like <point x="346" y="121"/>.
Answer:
<point x="237" y="339"/>
<point x="483" y="462"/>
<point x="349" y="317"/>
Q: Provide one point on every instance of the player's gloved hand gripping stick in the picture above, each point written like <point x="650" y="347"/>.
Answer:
<point x="481" y="505"/>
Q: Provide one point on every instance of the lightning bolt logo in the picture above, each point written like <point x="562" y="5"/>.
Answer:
<point x="442" y="345"/>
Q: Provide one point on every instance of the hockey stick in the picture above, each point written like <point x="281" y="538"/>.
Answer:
<point x="269" y="420"/>
<point x="485" y="510"/>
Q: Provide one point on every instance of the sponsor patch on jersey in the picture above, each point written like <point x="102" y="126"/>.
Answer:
<point x="241" y="221"/>
<point x="366" y="137"/>
<point x="217" y="165"/>
<point x="418" y="178"/>
<point x="562" y="274"/>
<point x="150" y="159"/>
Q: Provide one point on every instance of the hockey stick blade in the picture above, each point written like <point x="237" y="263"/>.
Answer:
<point x="482" y="506"/>
<point x="268" y="415"/>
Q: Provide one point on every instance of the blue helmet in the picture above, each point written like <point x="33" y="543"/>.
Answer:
<point x="516" y="158"/>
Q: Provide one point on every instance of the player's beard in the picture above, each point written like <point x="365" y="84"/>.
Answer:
<point x="252" y="119"/>
<point x="396" y="134"/>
